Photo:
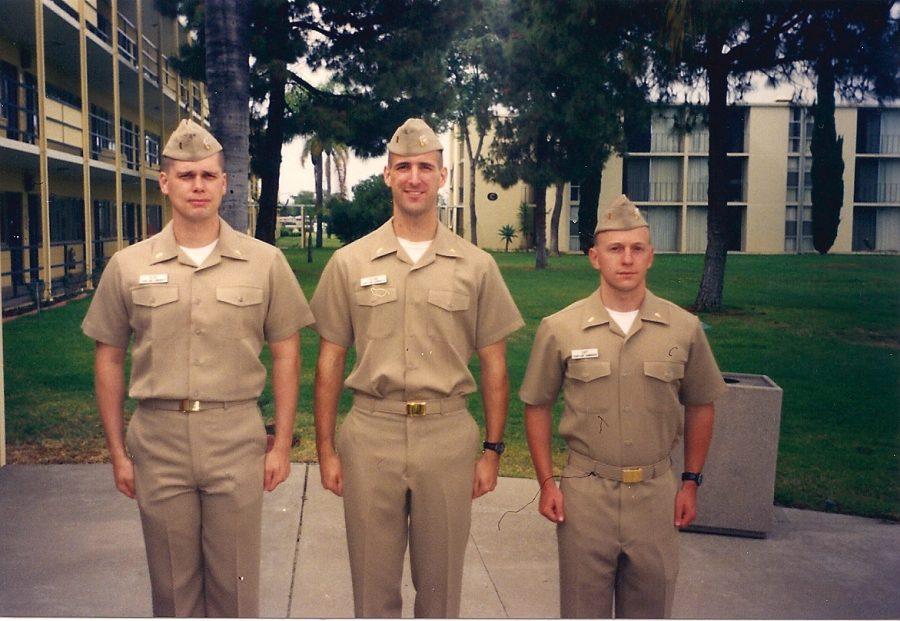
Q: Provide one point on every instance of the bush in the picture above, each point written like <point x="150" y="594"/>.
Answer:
<point x="370" y="208"/>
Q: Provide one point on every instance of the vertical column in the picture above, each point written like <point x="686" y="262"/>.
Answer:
<point x="142" y="159"/>
<point x="42" y="146"/>
<point x="86" y="150"/>
<point x="2" y="397"/>
<point x="162" y="101"/>
<point x="178" y="77"/>
<point x="685" y="194"/>
<point x="117" y="120"/>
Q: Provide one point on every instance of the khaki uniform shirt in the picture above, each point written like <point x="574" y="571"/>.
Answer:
<point x="414" y="327"/>
<point x="198" y="331"/>
<point x="624" y="395"/>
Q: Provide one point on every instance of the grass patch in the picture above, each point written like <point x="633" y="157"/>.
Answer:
<point x="825" y="329"/>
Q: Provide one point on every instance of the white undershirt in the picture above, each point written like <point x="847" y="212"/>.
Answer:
<point x="198" y="255"/>
<point x="624" y="320"/>
<point x="415" y="249"/>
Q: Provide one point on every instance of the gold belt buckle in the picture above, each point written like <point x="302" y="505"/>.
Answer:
<point x="415" y="408"/>
<point x="632" y="475"/>
<point x="190" y="406"/>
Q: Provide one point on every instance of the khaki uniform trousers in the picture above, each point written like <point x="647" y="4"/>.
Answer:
<point x="407" y="479"/>
<point x="618" y="545"/>
<point x="199" y="484"/>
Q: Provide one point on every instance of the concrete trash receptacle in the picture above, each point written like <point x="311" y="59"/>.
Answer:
<point x="739" y="476"/>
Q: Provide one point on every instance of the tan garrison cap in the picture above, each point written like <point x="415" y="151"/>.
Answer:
<point x="619" y="215"/>
<point x="191" y="143"/>
<point x="414" y="138"/>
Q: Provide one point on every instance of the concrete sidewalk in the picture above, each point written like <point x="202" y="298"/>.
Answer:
<point x="70" y="545"/>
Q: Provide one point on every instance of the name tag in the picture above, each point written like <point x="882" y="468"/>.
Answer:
<point x="153" y="279"/>
<point x="581" y="354"/>
<point x="368" y="281"/>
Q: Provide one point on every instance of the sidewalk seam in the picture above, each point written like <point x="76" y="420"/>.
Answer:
<point x="490" y="577"/>
<point x="290" y="601"/>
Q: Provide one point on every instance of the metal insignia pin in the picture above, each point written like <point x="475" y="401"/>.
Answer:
<point x="423" y="141"/>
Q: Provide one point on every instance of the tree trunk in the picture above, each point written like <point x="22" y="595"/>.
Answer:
<point x="228" y="89"/>
<point x="827" y="162"/>
<point x="709" y="297"/>
<point x="589" y="195"/>
<point x="554" y="218"/>
<point x="540" y="227"/>
<point x="473" y="167"/>
<point x="318" y="165"/>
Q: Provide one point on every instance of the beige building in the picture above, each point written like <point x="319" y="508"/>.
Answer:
<point x="769" y="183"/>
<point x="87" y="91"/>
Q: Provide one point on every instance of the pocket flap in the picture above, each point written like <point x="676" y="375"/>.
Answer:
<point x="448" y="300"/>
<point x="376" y="296"/>
<point x="154" y="295"/>
<point x="587" y="370"/>
<point x="239" y="295"/>
<point x="665" y="371"/>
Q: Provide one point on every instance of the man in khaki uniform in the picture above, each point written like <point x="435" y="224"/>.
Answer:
<point x="635" y="371"/>
<point x="200" y="299"/>
<point x="415" y="301"/>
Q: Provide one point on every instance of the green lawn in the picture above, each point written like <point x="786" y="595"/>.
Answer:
<point x="823" y="328"/>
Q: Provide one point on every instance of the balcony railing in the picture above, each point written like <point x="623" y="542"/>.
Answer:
<point x="18" y="114"/>
<point x="127" y="40"/>
<point x="654" y="191"/>
<point x="151" y="62"/>
<point x="878" y="193"/>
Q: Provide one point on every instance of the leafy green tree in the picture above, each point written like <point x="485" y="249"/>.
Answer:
<point x="475" y="93"/>
<point x="370" y="208"/>
<point x="507" y="233"/>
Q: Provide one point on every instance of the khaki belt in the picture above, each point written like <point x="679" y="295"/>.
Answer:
<point x="191" y="405"/>
<point x="630" y="474"/>
<point x="410" y="408"/>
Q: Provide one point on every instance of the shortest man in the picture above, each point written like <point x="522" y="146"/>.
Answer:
<point x="635" y="371"/>
<point x="199" y="299"/>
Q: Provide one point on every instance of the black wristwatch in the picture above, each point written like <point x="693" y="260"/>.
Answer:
<point x="696" y="477"/>
<point x="497" y="447"/>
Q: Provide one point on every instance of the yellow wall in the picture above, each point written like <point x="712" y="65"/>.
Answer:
<point x="845" y="125"/>
<point x="767" y="131"/>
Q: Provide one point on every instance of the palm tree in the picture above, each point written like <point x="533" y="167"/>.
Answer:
<point x="507" y="233"/>
<point x="322" y="152"/>
<point x="228" y="81"/>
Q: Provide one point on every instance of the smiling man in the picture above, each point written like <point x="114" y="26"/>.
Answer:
<point x="635" y="370"/>
<point x="200" y="299"/>
<point x="416" y="301"/>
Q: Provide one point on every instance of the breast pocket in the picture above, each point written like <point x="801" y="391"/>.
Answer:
<point x="238" y="311"/>
<point x="662" y="385"/>
<point x="156" y="311"/>
<point x="377" y="311"/>
<point x="447" y="315"/>
<point x="588" y="383"/>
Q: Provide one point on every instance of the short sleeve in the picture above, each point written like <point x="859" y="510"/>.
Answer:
<point x="288" y="310"/>
<point x="702" y="382"/>
<point x="107" y="317"/>
<point x="498" y="316"/>
<point x="543" y="377"/>
<point x="331" y="307"/>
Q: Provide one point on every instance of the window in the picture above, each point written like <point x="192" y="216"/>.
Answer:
<point x="800" y="130"/>
<point x="129" y="144"/>
<point x="877" y="181"/>
<point x="791" y="226"/>
<point x="574" y="193"/>
<point x="151" y="149"/>
<point x="154" y="219"/>
<point x="63" y="96"/>
<point x="664" y="227"/>
<point x="104" y="220"/>
<point x="574" y="237"/>
<point x="735" y="127"/>
<point x="101" y="132"/>
<point x="66" y="219"/>
<point x="698" y="179"/>
<point x="131" y="216"/>
<point x="655" y="179"/>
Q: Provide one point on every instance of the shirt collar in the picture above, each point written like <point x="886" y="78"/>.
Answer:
<point x="651" y="309"/>
<point x="230" y="244"/>
<point x="445" y="243"/>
